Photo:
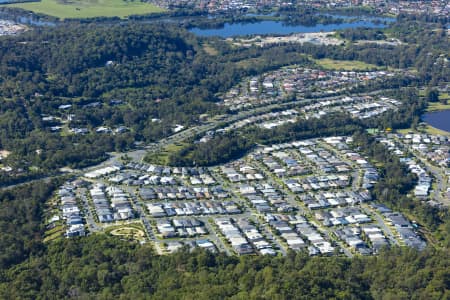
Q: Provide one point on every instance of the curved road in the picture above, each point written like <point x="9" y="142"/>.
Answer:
<point x="224" y="120"/>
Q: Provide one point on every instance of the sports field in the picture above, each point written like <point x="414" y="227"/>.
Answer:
<point x="67" y="9"/>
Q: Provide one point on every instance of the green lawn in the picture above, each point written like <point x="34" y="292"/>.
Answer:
<point x="346" y="65"/>
<point x="437" y="106"/>
<point x="162" y="157"/>
<point x="435" y="131"/>
<point x="426" y="129"/>
<point x="67" y="9"/>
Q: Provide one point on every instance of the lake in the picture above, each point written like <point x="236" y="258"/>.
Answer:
<point x="277" y="27"/>
<point x="438" y="119"/>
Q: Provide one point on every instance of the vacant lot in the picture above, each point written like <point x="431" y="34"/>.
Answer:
<point x="66" y="9"/>
<point x="345" y="65"/>
<point x="163" y="157"/>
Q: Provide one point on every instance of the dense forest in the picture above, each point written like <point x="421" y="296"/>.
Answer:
<point x="87" y="76"/>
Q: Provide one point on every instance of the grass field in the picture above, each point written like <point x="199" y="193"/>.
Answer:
<point x="437" y="106"/>
<point x="162" y="157"/>
<point x="210" y="49"/>
<point x="67" y="9"/>
<point x="345" y="65"/>
<point x="434" y="131"/>
<point x="426" y="129"/>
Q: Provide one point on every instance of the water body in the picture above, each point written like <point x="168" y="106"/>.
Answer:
<point x="438" y="119"/>
<point x="277" y="27"/>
